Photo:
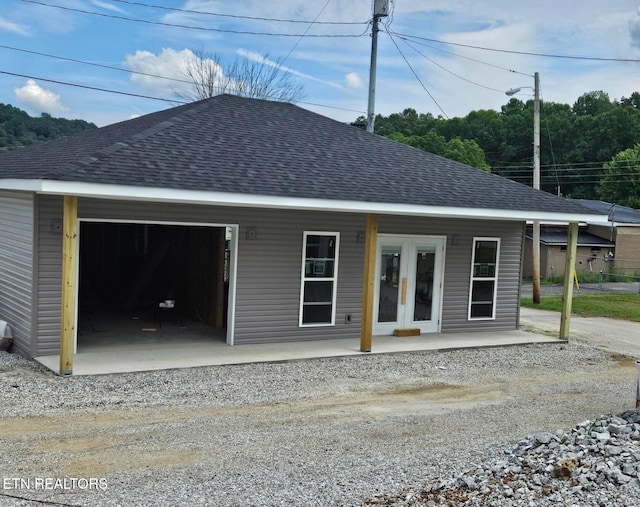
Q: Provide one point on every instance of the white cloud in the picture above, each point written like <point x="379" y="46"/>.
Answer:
<point x="169" y="64"/>
<point x="39" y="99"/>
<point x="12" y="27"/>
<point x="634" y="29"/>
<point x="107" y="6"/>
<point x="353" y="80"/>
<point x="256" y="57"/>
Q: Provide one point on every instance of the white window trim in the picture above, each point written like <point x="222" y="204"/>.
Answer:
<point x="333" y="279"/>
<point x="484" y="278"/>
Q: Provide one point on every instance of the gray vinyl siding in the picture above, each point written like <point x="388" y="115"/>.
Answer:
<point x="16" y="265"/>
<point x="49" y="265"/>
<point x="268" y="271"/>
<point x="269" y="267"/>
<point x="457" y="275"/>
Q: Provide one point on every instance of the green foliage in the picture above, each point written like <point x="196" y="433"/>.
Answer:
<point x="621" y="180"/>
<point x="592" y="104"/>
<point x="575" y="140"/>
<point x="466" y="151"/>
<point x="18" y="129"/>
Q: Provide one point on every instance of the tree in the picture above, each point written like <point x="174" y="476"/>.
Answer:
<point x="466" y="151"/>
<point x="632" y="101"/>
<point x="18" y="129"/>
<point x="592" y="103"/>
<point x="254" y="76"/>
<point x="620" y="183"/>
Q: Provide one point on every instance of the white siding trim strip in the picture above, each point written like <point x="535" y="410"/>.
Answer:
<point x="170" y="195"/>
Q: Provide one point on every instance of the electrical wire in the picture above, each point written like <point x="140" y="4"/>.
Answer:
<point x="83" y="62"/>
<point x="465" y="57"/>
<point x="305" y="33"/>
<point x="173" y="101"/>
<point x="451" y="72"/>
<point x="416" y="75"/>
<point x="191" y="27"/>
<point x="235" y="16"/>
<point x="525" y="53"/>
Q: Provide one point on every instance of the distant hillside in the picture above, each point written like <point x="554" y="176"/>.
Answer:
<point x="18" y="129"/>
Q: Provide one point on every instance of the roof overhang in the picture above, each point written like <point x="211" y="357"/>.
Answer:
<point x="203" y="197"/>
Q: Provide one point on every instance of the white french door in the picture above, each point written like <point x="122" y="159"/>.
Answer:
<point x="408" y="292"/>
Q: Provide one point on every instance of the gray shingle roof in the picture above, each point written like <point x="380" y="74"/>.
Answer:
<point x="558" y="236"/>
<point x="249" y="146"/>
<point x="616" y="213"/>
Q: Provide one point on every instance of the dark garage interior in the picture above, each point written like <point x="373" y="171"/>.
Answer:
<point x="142" y="281"/>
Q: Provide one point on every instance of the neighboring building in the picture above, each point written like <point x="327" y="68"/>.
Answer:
<point x="294" y="201"/>
<point x="593" y="252"/>
<point x="603" y="245"/>
<point x="622" y="229"/>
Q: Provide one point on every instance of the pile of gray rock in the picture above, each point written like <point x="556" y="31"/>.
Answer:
<point x="596" y="463"/>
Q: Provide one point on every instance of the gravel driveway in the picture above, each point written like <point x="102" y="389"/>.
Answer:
<point x="341" y="431"/>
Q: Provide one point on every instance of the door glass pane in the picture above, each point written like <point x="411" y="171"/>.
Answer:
<point x="425" y="263"/>
<point x="389" y="284"/>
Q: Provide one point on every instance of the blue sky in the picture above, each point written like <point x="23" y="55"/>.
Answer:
<point x="452" y="80"/>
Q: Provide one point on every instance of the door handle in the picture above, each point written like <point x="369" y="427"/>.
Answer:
<point x="403" y="296"/>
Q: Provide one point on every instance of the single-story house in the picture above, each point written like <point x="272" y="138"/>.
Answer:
<point x="261" y="220"/>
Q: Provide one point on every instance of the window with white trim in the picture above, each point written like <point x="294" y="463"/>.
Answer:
<point x="319" y="278"/>
<point x="484" y="278"/>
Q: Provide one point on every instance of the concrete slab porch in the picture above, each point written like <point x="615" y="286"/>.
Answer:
<point x="188" y="354"/>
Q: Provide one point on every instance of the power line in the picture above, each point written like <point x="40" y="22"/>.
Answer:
<point x="305" y="32"/>
<point x="190" y="11"/>
<point x="83" y="62"/>
<point x="190" y="27"/>
<point x="449" y="71"/>
<point x="526" y="53"/>
<point x="465" y="57"/>
<point x="416" y="75"/>
<point x="173" y="101"/>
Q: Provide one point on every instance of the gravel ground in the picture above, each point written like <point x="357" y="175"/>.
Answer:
<point x="350" y="431"/>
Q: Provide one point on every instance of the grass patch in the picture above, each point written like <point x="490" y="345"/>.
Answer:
<point x="613" y="306"/>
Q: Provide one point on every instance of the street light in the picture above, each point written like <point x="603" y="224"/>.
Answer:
<point x="536" y="181"/>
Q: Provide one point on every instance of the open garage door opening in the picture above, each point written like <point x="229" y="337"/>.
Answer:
<point x="151" y="284"/>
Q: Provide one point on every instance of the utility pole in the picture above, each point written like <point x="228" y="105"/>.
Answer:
<point x="536" y="184"/>
<point x="380" y="9"/>
<point x="535" y="247"/>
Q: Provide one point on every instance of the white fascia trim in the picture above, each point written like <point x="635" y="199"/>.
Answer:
<point x="180" y="196"/>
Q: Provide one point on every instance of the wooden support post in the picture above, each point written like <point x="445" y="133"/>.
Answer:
<point x="569" y="268"/>
<point x="68" y="314"/>
<point x="371" y="240"/>
<point x="221" y="235"/>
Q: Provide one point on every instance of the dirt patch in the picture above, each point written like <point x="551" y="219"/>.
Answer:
<point x="623" y="361"/>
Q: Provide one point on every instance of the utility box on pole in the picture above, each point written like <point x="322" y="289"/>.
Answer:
<point x="381" y="8"/>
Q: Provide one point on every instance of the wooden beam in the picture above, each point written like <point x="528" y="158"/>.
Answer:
<point x="221" y="235"/>
<point x="371" y="240"/>
<point x="68" y="314"/>
<point x="569" y="269"/>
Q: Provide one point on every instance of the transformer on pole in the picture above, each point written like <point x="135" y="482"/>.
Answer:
<point x="380" y="9"/>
